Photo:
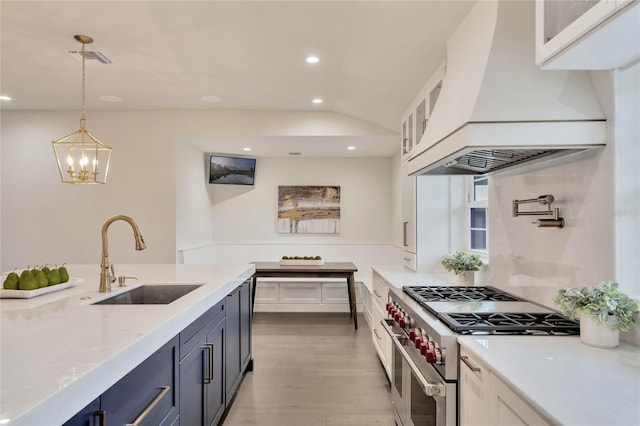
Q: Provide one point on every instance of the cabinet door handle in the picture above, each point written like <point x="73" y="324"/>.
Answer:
<point x="102" y="417"/>
<point x="150" y="407"/>
<point x="375" y="331"/>
<point x="208" y="378"/>
<point x="404" y="233"/>
<point x="376" y="293"/>
<point x="466" y="361"/>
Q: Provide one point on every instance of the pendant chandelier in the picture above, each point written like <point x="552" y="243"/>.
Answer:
<point x="81" y="157"/>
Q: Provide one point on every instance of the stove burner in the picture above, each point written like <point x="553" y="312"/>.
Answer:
<point x="510" y="323"/>
<point x="489" y="322"/>
<point x="458" y="294"/>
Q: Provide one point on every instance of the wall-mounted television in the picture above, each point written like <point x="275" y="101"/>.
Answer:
<point x="224" y="169"/>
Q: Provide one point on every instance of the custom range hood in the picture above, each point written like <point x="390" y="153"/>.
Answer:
<point x="497" y="109"/>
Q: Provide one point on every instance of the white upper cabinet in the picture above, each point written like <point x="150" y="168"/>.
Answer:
<point x="416" y="116"/>
<point x="587" y="34"/>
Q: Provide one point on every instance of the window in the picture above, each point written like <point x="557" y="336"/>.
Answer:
<point x="477" y="206"/>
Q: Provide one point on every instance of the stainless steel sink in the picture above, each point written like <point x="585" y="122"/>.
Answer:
<point x="150" y="294"/>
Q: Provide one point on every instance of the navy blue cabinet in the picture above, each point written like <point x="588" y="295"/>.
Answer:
<point x="148" y="394"/>
<point x="238" y="337"/>
<point x="191" y="380"/>
<point x="201" y="371"/>
<point x="88" y="416"/>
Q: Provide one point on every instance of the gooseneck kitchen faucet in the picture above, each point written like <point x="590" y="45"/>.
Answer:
<point x="107" y="275"/>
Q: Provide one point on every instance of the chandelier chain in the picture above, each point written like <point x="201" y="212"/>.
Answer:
<point x="82" y="117"/>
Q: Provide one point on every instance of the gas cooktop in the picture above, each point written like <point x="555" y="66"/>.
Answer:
<point x="487" y="310"/>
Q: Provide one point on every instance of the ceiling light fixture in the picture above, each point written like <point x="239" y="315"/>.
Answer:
<point x="312" y="59"/>
<point x="87" y="159"/>
<point x="351" y="148"/>
<point x="5" y="98"/>
<point x="246" y="149"/>
<point x="317" y="101"/>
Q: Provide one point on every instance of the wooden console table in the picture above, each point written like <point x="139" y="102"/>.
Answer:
<point x="328" y="270"/>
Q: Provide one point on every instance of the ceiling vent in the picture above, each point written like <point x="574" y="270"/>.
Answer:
<point x="90" y="55"/>
<point x="295" y="153"/>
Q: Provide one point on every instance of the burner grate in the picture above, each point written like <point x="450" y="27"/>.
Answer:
<point x="457" y="294"/>
<point x="510" y="323"/>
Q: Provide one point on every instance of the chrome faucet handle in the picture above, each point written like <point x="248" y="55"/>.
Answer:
<point x="121" y="280"/>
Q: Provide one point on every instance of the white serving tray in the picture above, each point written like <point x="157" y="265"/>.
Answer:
<point x="28" y="294"/>
<point x="301" y="262"/>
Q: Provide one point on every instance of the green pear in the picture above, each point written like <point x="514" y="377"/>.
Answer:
<point x="64" y="274"/>
<point x="11" y="282"/>
<point x="53" y="277"/>
<point x="27" y="281"/>
<point x="46" y="270"/>
<point x="41" y="278"/>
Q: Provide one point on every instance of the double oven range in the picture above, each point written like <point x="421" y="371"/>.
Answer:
<point x="424" y="322"/>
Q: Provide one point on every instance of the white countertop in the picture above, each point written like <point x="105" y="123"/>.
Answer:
<point x="399" y="276"/>
<point x="567" y="381"/>
<point x="58" y="352"/>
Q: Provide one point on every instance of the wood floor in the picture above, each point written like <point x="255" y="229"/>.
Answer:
<point x="312" y="369"/>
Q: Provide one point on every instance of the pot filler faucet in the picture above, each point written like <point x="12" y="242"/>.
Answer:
<point x="107" y="275"/>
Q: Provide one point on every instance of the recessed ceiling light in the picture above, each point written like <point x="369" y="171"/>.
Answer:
<point x="211" y="99"/>
<point x="351" y="148"/>
<point x="317" y="101"/>
<point x="110" y="98"/>
<point x="312" y="59"/>
<point x="246" y="149"/>
<point x="5" y="98"/>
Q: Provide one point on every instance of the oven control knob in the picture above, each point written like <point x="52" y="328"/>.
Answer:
<point x="392" y="312"/>
<point x="418" y="341"/>
<point x="402" y="322"/>
<point x="424" y="346"/>
<point x="430" y="356"/>
<point x="397" y="315"/>
<point x="412" y="334"/>
<point x="389" y="307"/>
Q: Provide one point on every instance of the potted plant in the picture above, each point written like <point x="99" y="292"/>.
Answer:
<point x="463" y="265"/>
<point x="603" y="311"/>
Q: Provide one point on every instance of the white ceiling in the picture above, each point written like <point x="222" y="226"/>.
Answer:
<point x="166" y="55"/>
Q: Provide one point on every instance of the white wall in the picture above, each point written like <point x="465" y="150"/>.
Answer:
<point x="598" y="194"/>
<point x="241" y="226"/>
<point x="45" y="221"/>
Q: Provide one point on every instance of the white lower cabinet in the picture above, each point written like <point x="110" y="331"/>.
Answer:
<point x="507" y="408"/>
<point x="473" y="392"/>
<point x="305" y="296"/>
<point x="486" y="400"/>
<point x="381" y="339"/>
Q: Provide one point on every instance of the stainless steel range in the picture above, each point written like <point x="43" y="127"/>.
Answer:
<point x="424" y="322"/>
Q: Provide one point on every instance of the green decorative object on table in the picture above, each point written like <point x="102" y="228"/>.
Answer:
<point x="460" y="263"/>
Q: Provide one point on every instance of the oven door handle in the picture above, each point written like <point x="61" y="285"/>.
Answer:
<point x="430" y="389"/>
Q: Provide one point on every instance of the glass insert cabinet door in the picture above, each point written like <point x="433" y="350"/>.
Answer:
<point x="559" y="14"/>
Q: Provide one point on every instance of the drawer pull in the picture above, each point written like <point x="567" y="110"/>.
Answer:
<point x="209" y="348"/>
<point x="151" y="406"/>
<point x="375" y="331"/>
<point x="376" y="293"/>
<point x="465" y="359"/>
<point x="102" y="417"/>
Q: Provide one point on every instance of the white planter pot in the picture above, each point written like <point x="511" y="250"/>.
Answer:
<point x="466" y="279"/>
<point x="598" y="335"/>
